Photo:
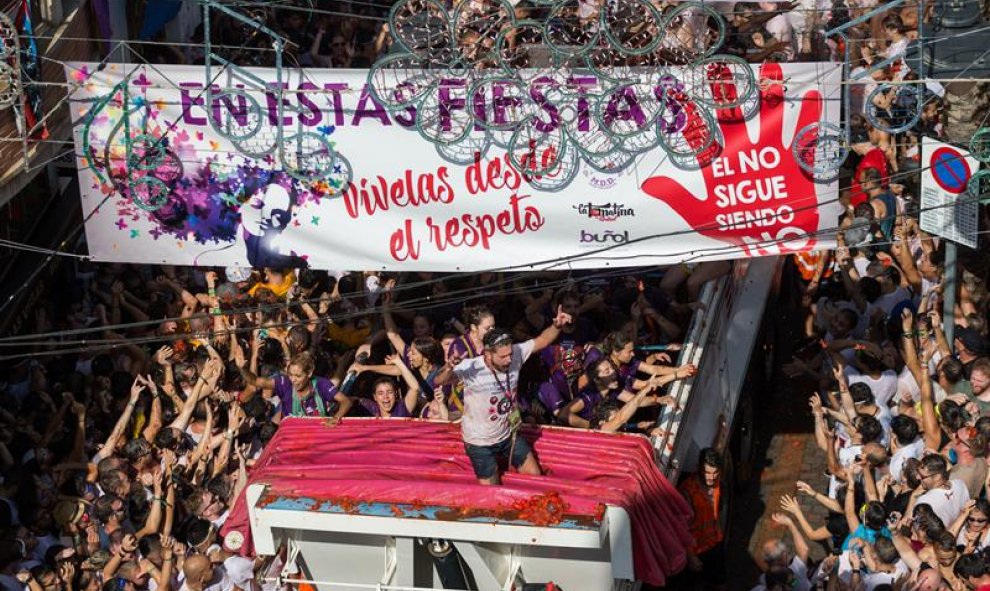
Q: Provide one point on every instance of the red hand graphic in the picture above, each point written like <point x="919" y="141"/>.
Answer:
<point x="745" y="203"/>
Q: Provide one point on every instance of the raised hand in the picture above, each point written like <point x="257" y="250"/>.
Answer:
<point x="66" y="572"/>
<point x="907" y="320"/>
<point x="136" y="388"/>
<point x="782" y="519"/>
<point x="163" y="356"/>
<point x="129" y="543"/>
<point x="168" y="547"/>
<point x="765" y="166"/>
<point x="562" y="318"/>
<point x="790" y="504"/>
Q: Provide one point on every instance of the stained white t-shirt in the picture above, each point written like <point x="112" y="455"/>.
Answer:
<point x="947" y="503"/>
<point x="488" y="397"/>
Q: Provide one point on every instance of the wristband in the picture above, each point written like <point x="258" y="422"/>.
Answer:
<point x="908" y="335"/>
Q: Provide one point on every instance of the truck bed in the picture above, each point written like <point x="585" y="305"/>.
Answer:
<point x="417" y="470"/>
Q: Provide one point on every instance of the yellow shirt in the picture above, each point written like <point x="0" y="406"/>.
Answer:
<point x="279" y="289"/>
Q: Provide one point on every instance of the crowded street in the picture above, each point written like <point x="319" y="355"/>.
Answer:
<point x="494" y="295"/>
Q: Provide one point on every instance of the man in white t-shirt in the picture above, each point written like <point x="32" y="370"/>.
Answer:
<point x="905" y="444"/>
<point x="779" y="26"/>
<point x="491" y="385"/>
<point x="947" y="497"/>
<point x="203" y="575"/>
<point x="783" y="567"/>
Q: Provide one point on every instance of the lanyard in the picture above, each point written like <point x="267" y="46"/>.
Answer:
<point x="507" y="387"/>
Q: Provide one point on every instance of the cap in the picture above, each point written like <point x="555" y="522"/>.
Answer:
<point x="67" y="512"/>
<point x="972" y="340"/>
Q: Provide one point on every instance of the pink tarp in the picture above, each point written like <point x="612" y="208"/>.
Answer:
<point x="407" y="461"/>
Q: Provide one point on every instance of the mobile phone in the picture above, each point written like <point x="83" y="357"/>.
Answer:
<point x="263" y="334"/>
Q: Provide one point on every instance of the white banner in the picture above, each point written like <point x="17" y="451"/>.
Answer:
<point x="409" y="208"/>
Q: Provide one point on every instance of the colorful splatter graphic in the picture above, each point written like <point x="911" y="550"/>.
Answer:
<point x="155" y="173"/>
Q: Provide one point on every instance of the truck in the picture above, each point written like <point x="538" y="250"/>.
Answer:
<point x="393" y="505"/>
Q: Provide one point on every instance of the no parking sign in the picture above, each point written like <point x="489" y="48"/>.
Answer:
<point x="947" y="209"/>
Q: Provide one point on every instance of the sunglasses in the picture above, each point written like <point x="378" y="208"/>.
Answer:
<point x="976" y="520"/>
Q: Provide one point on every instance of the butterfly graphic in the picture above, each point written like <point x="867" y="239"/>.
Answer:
<point x="81" y="75"/>
<point x="326" y="129"/>
<point x="142" y="81"/>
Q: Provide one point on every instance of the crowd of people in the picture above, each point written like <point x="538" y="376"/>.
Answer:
<point x="119" y="460"/>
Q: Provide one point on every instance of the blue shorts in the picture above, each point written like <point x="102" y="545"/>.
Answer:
<point x="484" y="458"/>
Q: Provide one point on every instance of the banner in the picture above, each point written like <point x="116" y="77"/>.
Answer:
<point x="167" y="187"/>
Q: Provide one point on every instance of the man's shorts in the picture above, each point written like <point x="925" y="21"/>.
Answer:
<point x="484" y="458"/>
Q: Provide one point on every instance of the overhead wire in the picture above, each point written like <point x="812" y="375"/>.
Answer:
<point x="813" y="200"/>
<point x="74" y="232"/>
<point x="430" y="302"/>
<point x="97" y="345"/>
<point x="555" y="261"/>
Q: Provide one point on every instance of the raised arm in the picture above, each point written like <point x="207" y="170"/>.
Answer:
<point x="849" y="506"/>
<point x="155" y="421"/>
<point x="154" y="520"/>
<point x="412" y="386"/>
<point x="823" y="500"/>
<point x="790" y="504"/>
<point x="204" y="385"/>
<point x="929" y="420"/>
<point x="391" y="331"/>
<point x="625" y="414"/>
<point x="118" y="430"/>
<point x="800" y="544"/>
<point x="550" y="333"/>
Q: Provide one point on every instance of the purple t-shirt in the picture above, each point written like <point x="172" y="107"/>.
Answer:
<point x="591" y="397"/>
<point x="324" y="388"/>
<point x="552" y="396"/>
<point x="398" y="411"/>
<point x="627" y="374"/>
<point x="566" y="355"/>
<point x="463" y="347"/>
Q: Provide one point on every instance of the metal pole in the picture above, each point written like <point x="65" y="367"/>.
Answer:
<point x="949" y="293"/>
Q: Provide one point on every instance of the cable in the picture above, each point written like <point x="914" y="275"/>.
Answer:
<point x="98" y="345"/>
<point x="73" y="233"/>
<point x="38" y="250"/>
<point x="431" y="303"/>
<point x="410" y="305"/>
<point x="694" y="254"/>
<point x="913" y="172"/>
